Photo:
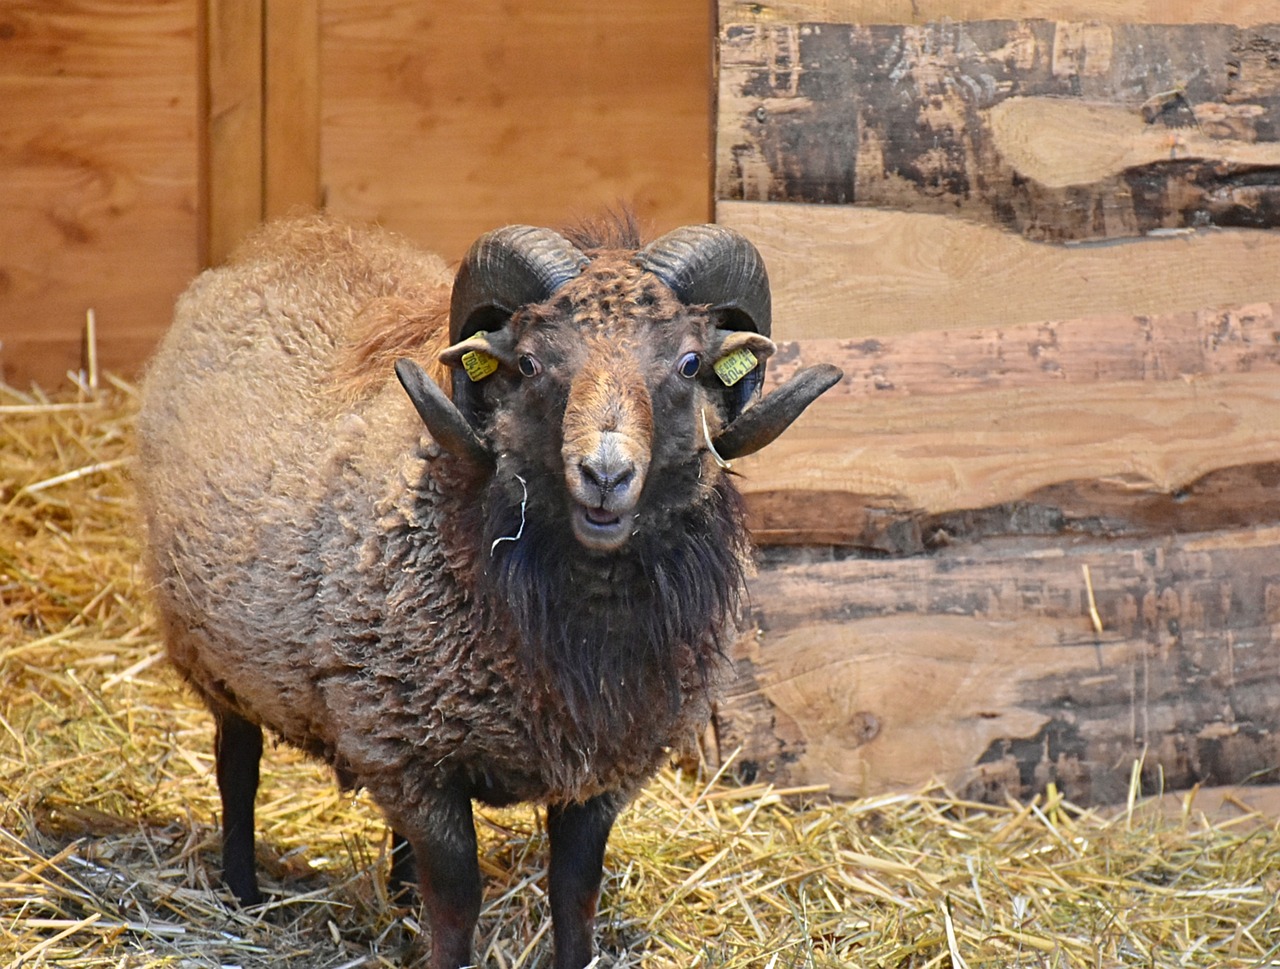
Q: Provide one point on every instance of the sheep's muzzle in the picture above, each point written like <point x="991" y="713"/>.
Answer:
<point x="608" y="434"/>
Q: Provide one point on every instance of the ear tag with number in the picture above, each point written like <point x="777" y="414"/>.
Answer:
<point x="733" y="366"/>
<point x="477" y="363"/>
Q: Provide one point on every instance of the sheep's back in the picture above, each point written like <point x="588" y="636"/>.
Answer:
<point x="252" y="460"/>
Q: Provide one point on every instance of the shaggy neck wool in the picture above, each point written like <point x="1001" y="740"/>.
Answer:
<point x="613" y="634"/>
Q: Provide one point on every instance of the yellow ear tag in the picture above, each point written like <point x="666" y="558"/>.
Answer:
<point x="732" y="367"/>
<point x="477" y="363"/>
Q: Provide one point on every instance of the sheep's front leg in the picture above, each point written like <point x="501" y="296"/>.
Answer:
<point x="443" y="837"/>
<point x="237" y="753"/>
<point x="578" y="833"/>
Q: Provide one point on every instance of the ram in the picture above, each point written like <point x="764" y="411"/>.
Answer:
<point x="512" y="582"/>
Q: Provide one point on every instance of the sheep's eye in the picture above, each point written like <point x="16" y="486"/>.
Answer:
<point x="689" y="365"/>
<point x="529" y="366"/>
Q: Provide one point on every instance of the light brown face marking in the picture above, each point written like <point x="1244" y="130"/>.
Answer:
<point x="614" y="307"/>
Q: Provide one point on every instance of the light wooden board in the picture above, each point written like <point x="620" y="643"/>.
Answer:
<point x="445" y="123"/>
<point x="291" y="108"/>
<point x="853" y="273"/>
<point x="1124" y="424"/>
<point x="852" y="471"/>
<point x="1242" y="12"/>
<point x="983" y="668"/>
<point x="97" y="178"/>
<point x="232" y="157"/>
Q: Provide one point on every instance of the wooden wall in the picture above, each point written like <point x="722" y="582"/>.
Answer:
<point x="98" y="185"/>
<point x="446" y="123"/>
<point x="1032" y="536"/>
<point x="141" y="140"/>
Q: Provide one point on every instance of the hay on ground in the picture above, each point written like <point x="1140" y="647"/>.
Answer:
<point x="108" y="811"/>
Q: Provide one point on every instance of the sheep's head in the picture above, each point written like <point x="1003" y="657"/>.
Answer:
<point x="607" y="371"/>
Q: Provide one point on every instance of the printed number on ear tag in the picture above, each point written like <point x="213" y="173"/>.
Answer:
<point x="477" y="363"/>
<point x="732" y="367"/>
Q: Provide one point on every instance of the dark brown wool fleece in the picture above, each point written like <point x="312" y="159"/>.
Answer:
<point x="325" y="570"/>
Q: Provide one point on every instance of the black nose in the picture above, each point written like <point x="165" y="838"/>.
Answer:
<point x="607" y="474"/>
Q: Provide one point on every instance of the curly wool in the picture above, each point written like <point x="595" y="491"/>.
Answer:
<point x="323" y="569"/>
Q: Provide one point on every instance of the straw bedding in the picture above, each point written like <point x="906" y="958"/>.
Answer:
<point x="108" y="814"/>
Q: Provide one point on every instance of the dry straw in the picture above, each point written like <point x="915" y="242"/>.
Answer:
<point x="108" y="838"/>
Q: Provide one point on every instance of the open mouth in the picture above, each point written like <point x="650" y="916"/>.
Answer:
<point x="600" y="517"/>
<point x="601" y="529"/>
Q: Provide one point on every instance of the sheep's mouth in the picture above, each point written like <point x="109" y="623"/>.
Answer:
<point x="600" y="528"/>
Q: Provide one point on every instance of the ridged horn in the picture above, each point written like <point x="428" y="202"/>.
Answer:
<point x="714" y="265"/>
<point x="761" y="424"/>
<point x="441" y="417"/>
<point x="506" y="269"/>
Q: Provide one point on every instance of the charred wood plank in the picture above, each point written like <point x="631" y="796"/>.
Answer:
<point x="983" y="667"/>
<point x="1057" y="131"/>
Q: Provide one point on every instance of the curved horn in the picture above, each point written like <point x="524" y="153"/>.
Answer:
<point x="506" y="269"/>
<point x="442" y="418"/>
<point x="714" y="265"/>
<point x="762" y="423"/>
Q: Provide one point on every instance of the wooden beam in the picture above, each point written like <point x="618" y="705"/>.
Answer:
<point x="291" y="135"/>
<point x="1240" y="12"/>
<point x="262" y="116"/>
<point x="1115" y="425"/>
<point x="856" y="273"/>
<point x="232" y="156"/>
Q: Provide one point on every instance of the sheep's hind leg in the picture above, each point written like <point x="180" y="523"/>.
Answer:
<point x="238" y="750"/>
<point x="578" y="834"/>
<point x="443" y="837"/>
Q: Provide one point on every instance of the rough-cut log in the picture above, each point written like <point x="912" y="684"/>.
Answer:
<point x="1106" y="426"/>
<point x="984" y="668"/>
<point x="1241" y="12"/>
<point x="855" y="272"/>
<point x="1055" y="130"/>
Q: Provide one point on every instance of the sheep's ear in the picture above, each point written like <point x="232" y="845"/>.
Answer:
<point x="739" y="352"/>
<point x="479" y="355"/>
<point x="443" y="420"/>
<point x="761" y="424"/>
<point x="739" y="362"/>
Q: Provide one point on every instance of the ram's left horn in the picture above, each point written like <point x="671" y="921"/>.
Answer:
<point x="443" y="419"/>
<point x="774" y="413"/>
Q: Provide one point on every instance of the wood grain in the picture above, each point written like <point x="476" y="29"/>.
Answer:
<point x="1240" y="12"/>
<point x="445" y="124"/>
<point x="232" y="175"/>
<point x="1130" y="425"/>
<point x="98" y="178"/>
<point x="291" y="108"/>
<point x="1060" y="142"/>
<point x="853" y="273"/>
<point x="1093" y="449"/>
<point x="1116" y="130"/>
<point x="982" y="668"/>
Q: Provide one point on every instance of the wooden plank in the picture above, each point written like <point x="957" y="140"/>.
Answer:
<point x="291" y="108"/>
<point x="982" y="667"/>
<point x="443" y="125"/>
<point x="232" y="148"/>
<point x="1240" y="12"/>
<point x="854" y="273"/>
<point x="1111" y="455"/>
<point x="1056" y="130"/>
<point x="1115" y="425"/>
<point x="98" y="177"/>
